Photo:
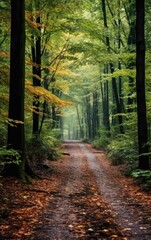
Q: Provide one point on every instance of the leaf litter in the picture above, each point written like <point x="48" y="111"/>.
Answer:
<point x="67" y="203"/>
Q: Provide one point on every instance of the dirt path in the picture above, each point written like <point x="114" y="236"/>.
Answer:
<point x="81" y="197"/>
<point x="87" y="184"/>
<point x="132" y="214"/>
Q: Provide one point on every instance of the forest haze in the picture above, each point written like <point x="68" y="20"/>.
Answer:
<point x="76" y="70"/>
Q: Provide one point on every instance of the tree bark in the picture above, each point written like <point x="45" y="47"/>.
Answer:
<point x="36" y="55"/>
<point x="140" y="86"/>
<point x="131" y="12"/>
<point x="95" y="115"/>
<point x="16" y="138"/>
<point x="105" y="102"/>
<point x="117" y="101"/>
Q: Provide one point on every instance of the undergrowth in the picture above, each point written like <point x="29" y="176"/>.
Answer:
<point x="123" y="150"/>
<point x="43" y="147"/>
<point x="143" y="177"/>
<point x="120" y="150"/>
<point x="8" y="156"/>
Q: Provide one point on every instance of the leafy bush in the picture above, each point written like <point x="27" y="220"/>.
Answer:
<point x="100" y="143"/>
<point x="123" y="149"/>
<point x="40" y="148"/>
<point x="56" y="133"/>
<point x="8" y="156"/>
<point x="86" y="140"/>
<point x="3" y="131"/>
<point x="102" y="140"/>
<point x="142" y="176"/>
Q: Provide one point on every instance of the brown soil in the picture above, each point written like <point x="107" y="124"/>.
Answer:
<point x="82" y="196"/>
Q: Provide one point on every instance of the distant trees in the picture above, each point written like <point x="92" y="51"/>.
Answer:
<point x="114" y="49"/>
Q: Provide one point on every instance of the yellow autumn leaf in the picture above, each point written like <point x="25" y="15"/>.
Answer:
<point x="46" y="95"/>
<point x="36" y="76"/>
<point x="30" y="63"/>
<point x="63" y="71"/>
<point x="61" y="85"/>
<point x="34" y="24"/>
<point x="4" y="54"/>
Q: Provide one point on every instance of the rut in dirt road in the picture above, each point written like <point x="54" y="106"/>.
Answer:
<point x="90" y="201"/>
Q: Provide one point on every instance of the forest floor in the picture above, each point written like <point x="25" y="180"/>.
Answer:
<point x="81" y="196"/>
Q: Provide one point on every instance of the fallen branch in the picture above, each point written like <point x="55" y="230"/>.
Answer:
<point x="66" y="154"/>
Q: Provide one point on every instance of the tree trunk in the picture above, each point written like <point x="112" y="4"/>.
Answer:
<point x="36" y="82"/>
<point x="105" y="102"/>
<point x="132" y="48"/>
<point x="95" y="115"/>
<point x="117" y="101"/>
<point x="36" y="54"/>
<point x="88" y="115"/>
<point x="79" y="122"/>
<point x="140" y="86"/>
<point x="16" y="138"/>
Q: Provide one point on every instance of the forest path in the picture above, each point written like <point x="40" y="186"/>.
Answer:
<point x="81" y="196"/>
<point x="90" y="190"/>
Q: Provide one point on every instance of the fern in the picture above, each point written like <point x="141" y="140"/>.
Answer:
<point x="9" y="156"/>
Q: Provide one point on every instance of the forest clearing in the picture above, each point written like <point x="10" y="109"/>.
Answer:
<point x="82" y="196"/>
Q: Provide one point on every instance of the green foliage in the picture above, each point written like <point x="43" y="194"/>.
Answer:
<point x="123" y="149"/>
<point x="3" y="132"/>
<point x="9" y="156"/>
<point x="101" y="142"/>
<point x="45" y="147"/>
<point x="142" y="176"/>
<point x="86" y="140"/>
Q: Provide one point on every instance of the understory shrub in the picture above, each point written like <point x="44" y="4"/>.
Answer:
<point x="3" y="138"/>
<point x="142" y="177"/>
<point x="8" y="156"/>
<point x="43" y="147"/>
<point x="122" y="150"/>
<point x="86" y="140"/>
<point x="101" y="141"/>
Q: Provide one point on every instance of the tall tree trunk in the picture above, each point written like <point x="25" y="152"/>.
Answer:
<point x="140" y="86"/>
<point x="36" y="54"/>
<point x="105" y="93"/>
<point x="105" y="102"/>
<point x="88" y="116"/>
<point x="117" y="101"/>
<point x="16" y="139"/>
<point x="131" y="12"/>
<point x="95" y="115"/>
<point x="119" y="63"/>
<point x="54" y="117"/>
<point x="79" y="122"/>
<point x="35" y="83"/>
